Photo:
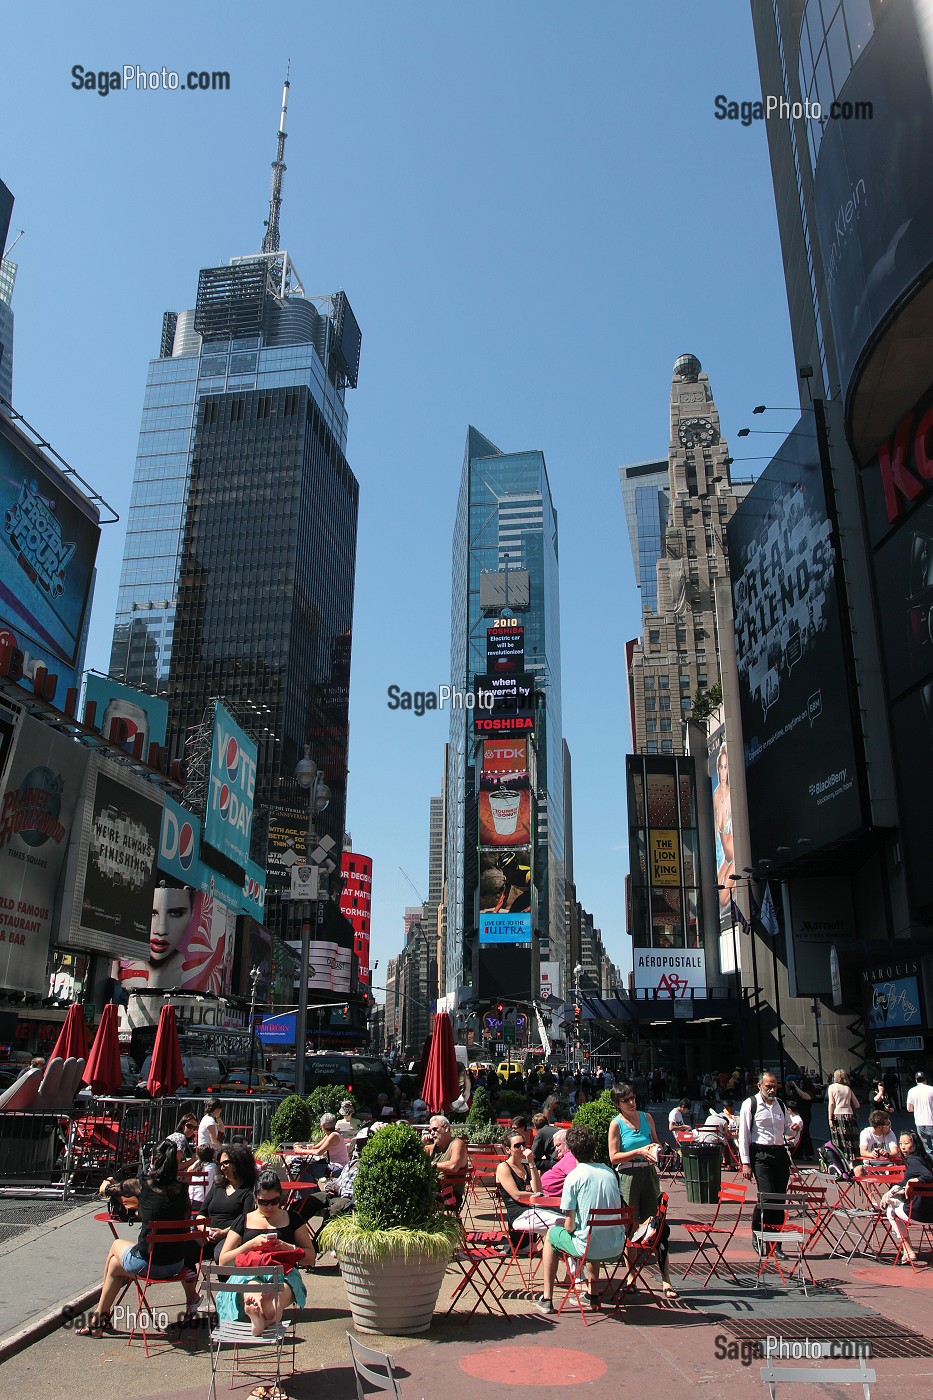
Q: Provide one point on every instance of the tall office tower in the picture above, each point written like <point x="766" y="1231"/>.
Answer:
<point x="677" y="526"/>
<point x="7" y="280"/>
<point x="238" y="570"/>
<point x="505" y="625"/>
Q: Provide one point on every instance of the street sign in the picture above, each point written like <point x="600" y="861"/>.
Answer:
<point x="508" y="1034"/>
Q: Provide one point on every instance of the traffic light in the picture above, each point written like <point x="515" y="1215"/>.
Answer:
<point x="499" y="1010"/>
<point x="577" y="1013"/>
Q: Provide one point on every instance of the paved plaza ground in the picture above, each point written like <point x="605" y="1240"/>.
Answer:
<point x="669" y="1350"/>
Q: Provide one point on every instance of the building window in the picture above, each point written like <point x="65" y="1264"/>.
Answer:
<point x="654" y="638"/>
<point x="664" y="682"/>
<point x="650" y="704"/>
<point x="652" y="745"/>
<point x="651" y="726"/>
<point x="703" y="682"/>
<point x="686" y="704"/>
<point x="685" y="682"/>
<point x="649" y="682"/>
<point x="667" y="746"/>
<point x="665" y="726"/>
<point x="665" y="702"/>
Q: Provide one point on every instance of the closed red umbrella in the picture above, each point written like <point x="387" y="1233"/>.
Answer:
<point x="423" y="1062"/>
<point x="166" y="1073"/>
<point x="72" y="1038"/>
<point x="102" y="1071"/>
<point x="442" y="1075"/>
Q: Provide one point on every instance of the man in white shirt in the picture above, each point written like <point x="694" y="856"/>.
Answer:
<point x="764" y="1124"/>
<point x="877" y="1142"/>
<point x="920" y="1104"/>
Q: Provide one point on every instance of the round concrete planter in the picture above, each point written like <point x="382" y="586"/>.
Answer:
<point x="395" y="1296"/>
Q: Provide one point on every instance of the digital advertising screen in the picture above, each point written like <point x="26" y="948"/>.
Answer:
<point x="179" y="843"/>
<point x="120" y="873"/>
<point x="505" y="646"/>
<point x="505" y="703"/>
<point x="192" y="931"/>
<point x="504" y="799"/>
<point x="228" y="819"/>
<point x="48" y="547"/>
<point x="801" y="759"/>
<point x="718" y="753"/>
<point x="894" y="1004"/>
<point x="505" y="896"/>
<point x="285" y="846"/>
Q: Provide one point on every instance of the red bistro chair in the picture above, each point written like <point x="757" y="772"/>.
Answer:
<point x="618" y="1219"/>
<point x="164" y="1233"/>
<point x="713" y="1238"/>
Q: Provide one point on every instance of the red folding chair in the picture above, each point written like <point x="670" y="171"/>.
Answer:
<point x="479" y="1263"/>
<point x="916" y="1193"/>
<point x="640" y="1252"/>
<point x="598" y="1219"/>
<point x="164" y="1233"/>
<point x="713" y="1238"/>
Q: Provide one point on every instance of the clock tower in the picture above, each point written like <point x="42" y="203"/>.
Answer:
<point x="677" y="656"/>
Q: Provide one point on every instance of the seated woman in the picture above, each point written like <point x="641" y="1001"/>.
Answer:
<point x="332" y="1149"/>
<point x="200" y="1174"/>
<point x="518" y="1173"/>
<point x="162" y="1198"/>
<point x="919" y="1168"/>
<point x="231" y="1195"/>
<point x="270" y="1223"/>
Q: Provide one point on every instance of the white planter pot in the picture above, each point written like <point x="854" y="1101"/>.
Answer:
<point x="395" y="1296"/>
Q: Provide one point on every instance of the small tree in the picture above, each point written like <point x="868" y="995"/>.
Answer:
<point x="291" y="1121"/>
<point x="598" y="1115"/>
<point x="396" y="1183"/>
<point x="327" y="1098"/>
<point x="480" y="1108"/>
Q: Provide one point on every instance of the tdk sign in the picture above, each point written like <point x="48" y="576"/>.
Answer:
<point x="231" y="788"/>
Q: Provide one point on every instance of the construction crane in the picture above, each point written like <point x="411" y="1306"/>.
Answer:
<point x="420" y="898"/>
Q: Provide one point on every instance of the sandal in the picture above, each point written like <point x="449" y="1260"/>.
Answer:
<point x="96" y="1326"/>
<point x="669" y="1291"/>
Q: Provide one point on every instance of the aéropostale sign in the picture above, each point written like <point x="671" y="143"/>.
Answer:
<point x="231" y="787"/>
<point x="39" y="800"/>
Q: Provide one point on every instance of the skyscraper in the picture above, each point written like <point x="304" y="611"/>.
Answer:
<point x="7" y="281"/>
<point x="676" y="526"/>
<point x="238" y="570"/>
<point x="505" y="566"/>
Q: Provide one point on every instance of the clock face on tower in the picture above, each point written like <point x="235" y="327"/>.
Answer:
<point x="694" y="432"/>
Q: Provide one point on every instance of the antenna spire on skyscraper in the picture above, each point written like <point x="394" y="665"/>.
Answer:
<point x="270" y="243"/>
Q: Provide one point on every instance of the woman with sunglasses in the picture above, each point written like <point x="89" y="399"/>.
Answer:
<point x="231" y="1195"/>
<point x="633" y="1151"/>
<point x="516" y="1174"/>
<point x="270" y="1223"/>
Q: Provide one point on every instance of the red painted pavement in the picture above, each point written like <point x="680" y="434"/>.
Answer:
<point x="533" y="1366"/>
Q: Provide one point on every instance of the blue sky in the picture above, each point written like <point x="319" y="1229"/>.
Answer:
<point x="533" y="211"/>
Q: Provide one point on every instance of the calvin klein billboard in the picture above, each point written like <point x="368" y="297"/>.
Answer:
<point x="801" y="757"/>
<point x="873" y="209"/>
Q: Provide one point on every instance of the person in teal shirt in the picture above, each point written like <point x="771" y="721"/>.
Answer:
<point x="590" y="1186"/>
<point x="633" y="1151"/>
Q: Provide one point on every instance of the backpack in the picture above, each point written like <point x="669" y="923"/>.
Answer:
<point x="834" y="1164"/>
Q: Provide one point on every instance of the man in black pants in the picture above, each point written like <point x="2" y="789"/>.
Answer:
<point x="764" y="1123"/>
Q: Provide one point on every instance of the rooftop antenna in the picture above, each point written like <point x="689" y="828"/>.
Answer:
<point x="270" y="242"/>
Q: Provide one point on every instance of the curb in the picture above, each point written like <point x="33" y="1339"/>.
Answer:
<point x="49" y="1322"/>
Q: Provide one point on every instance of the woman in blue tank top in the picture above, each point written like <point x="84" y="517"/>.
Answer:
<point x="633" y="1151"/>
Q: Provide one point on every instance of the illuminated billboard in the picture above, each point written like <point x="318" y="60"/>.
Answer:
<point x="231" y="787"/>
<point x="48" y="545"/>
<point x="505" y="896"/>
<point x="505" y="646"/>
<point x="179" y="843"/>
<point x="40" y="798"/>
<point x="505" y="704"/>
<point x="192" y="931"/>
<point x="117" y="860"/>
<point x="133" y="711"/>
<point x="504" y="799"/>
<point x="718" y="755"/>
<point x="285" y="846"/>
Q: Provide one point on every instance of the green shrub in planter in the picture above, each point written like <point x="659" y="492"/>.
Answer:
<point x="327" y="1098"/>
<point x="395" y="1200"/>
<point x="598" y="1115"/>
<point x="291" y="1121"/>
<point x="510" y="1103"/>
<point x="480" y="1108"/>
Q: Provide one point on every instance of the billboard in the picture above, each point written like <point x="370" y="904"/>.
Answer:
<point x="505" y="646"/>
<point x="228" y="819"/>
<point x="718" y="756"/>
<point x="253" y="899"/>
<point x="504" y="799"/>
<point x="801" y="758"/>
<point x="125" y="706"/>
<point x="505" y="896"/>
<point x="504" y="703"/>
<point x="48" y="546"/>
<point x="330" y="965"/>
<point x="550" y="981"/>
<point x="894" y="1003"/>
<point x="664" y="852"/>
<point x="118" y="873"/>
<point x="873" y="215"/>
<point x="179" y="842"/>
<point x="40" y="798"/>
<point x="818" y="915"/>
<point x="191" y="938"/>
<point x="356" y="872"/>
<point x="670" y="973"/>
<point x="285" y="846"/>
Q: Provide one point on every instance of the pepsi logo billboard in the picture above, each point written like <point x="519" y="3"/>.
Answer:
<point x="253" y="901"/>
<point x="179" y="842"/>
<point x="231" y="788"/>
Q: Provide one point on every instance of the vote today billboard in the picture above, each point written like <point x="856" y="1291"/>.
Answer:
<point x="228" y="818"/>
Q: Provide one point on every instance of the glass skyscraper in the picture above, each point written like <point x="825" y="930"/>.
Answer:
<point x="646" y="497"/>
<point x="506" y="525"/>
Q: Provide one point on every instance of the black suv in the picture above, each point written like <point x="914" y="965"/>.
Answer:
<point x="365" y="1076"/>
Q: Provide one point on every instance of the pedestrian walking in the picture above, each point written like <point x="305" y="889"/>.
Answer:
<point x="764" y="1124"/>
<point x="842" y="1106"/>
<point x="920" y="1104"/>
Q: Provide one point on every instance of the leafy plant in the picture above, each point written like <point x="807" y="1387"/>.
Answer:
<point x="510" y="1103"/>
<point x="479" y="1134"/>
<point x="395" y="1199"/>
<point x="291" y="1121"/>
<point x="327" y="1098"/>
<point x="597" y="1115"/>
<point x="480" y="1108"/>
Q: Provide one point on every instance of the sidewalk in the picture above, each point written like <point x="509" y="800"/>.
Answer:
<point x="675" y="1351"/>
<point x="57" y="1257"/>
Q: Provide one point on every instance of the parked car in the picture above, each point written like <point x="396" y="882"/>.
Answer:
<point x="257" y="1083"/>
<point x="203" y="1073"/>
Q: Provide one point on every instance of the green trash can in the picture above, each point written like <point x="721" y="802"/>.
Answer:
<point x="702" y="1172"/>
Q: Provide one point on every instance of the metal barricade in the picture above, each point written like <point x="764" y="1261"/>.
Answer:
<point x="36" y="1153"/>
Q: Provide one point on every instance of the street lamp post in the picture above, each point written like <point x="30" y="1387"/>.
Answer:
<point x="254" y="977"/>
<point x="309" y="777"/>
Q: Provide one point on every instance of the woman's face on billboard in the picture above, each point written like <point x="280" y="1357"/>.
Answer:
<point x="171" y="914"/>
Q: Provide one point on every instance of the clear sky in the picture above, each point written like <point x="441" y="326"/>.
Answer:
<point x="533" y="211"/>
